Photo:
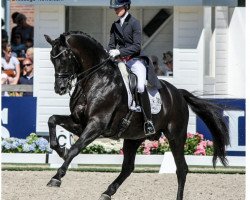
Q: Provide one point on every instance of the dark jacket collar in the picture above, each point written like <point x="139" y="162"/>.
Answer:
<point x="118" y="26"/>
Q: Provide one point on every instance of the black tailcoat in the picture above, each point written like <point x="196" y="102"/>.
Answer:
<point x="127" y="38"/>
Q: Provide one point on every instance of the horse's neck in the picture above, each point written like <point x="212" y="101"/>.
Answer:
<point x="89" y="64"/>
<point x="105" y="81"/>
<point x="102" y="75"/>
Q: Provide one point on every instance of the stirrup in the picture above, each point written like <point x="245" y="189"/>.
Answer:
<point x="149" y="128"/>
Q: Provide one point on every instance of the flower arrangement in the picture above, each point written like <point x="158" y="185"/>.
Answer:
<point x="32" y="144"/>
<point x="98" y="147"/>
<point x="154" y="147"/>
<point x="195" y="145"/>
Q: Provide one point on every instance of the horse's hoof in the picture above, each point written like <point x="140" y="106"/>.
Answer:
<point x="105" y="197"/>
<point x="54" y="183"/>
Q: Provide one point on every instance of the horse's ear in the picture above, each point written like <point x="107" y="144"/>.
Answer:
<point x="48" y="39"/>
<point x="63" y="39"/>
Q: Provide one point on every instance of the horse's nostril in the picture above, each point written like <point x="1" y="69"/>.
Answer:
<point x="62" y="88"/>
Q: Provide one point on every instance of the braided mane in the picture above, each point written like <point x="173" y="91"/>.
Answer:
<point x="85" y="35"/>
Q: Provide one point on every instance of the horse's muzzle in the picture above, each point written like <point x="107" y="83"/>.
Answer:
<point x="61" y="91"/>
<point x="61" y="87"/>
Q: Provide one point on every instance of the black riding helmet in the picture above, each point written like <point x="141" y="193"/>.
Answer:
<point x="119" y="3"/>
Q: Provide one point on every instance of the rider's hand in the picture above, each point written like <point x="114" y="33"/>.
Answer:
<point x="114" y="52"/>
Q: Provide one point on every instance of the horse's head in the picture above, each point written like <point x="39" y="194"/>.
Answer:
<point x="65" y="63"/>
<point x="74" y="54"/>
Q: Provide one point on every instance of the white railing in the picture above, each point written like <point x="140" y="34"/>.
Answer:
<point x="17" y="88"/>
<point x="166" y="161"/>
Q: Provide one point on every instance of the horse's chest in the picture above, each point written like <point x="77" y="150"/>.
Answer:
<point x="77" y="107"/>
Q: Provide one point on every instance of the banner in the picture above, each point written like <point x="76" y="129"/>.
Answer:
<point x="18" y="116"/>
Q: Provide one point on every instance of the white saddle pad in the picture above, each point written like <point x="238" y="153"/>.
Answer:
<point x="154" y="97"/>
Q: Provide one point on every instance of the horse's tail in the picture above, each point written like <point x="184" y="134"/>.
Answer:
<point x="211" y="115"/>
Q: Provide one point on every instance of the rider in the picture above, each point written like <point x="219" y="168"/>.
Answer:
<point x="125" y="42"/>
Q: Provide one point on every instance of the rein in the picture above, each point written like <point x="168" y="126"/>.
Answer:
<point x="97" y="67"/>
<point x="94" y="68"/>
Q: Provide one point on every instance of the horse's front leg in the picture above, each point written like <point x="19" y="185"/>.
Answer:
<point x="129" y="149"/>
<point x="66" y="122"/>
<point x="92" y="131"/>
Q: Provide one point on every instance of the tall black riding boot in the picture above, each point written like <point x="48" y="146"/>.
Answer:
<point x="146" y="110"/>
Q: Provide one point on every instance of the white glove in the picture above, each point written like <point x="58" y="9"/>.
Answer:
<point x="114" y="52"/>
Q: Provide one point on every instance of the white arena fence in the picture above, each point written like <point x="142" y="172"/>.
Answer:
<point x="166" y="161"/>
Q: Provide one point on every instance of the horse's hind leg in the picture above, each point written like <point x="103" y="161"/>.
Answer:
<point x="177" y="147"/>
<point x="129" y="149"/>
<point x="66" y="122"/>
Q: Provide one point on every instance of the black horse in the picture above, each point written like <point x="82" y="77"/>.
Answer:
<point x="99" y="103"/>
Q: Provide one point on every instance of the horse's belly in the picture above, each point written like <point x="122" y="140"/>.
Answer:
<point x="134" y="131"/>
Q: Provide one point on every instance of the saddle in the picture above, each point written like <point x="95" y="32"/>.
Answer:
<point x="134" y="99"/>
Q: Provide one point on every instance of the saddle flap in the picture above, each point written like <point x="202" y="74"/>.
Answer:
<point x="132" y="81"/>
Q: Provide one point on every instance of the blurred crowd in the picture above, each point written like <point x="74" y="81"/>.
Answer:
<point x="167" y="69"/>
<point x="17" y="53"/>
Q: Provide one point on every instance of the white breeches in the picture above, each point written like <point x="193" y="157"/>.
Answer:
<point x="139" y="70"/>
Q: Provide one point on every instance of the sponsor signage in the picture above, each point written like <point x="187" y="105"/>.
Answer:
<point x="64" y="137"/>
<point x="18" y="116"/>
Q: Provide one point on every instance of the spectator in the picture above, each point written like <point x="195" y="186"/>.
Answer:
<point x="13" y="31"/>
<point x="4" y="34"/>
<point x="29" y="43"/>
<point x="18" y="47"/>
<point x="10" y="67"/>
<point x="168" y="60"/>
<point x="157" y="69"/>
<point x="27" y="77"/>
<point x="30" y="53"/>
<point x="26" y="30"/>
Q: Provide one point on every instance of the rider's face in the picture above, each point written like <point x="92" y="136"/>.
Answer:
<point x="120" y="11"/>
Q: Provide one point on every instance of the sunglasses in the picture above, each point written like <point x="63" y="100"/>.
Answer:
<point x="29" y="64"/>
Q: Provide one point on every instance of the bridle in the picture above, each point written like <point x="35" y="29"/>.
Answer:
<point x="68" y="75"/>
<point x="71" y="76"/>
